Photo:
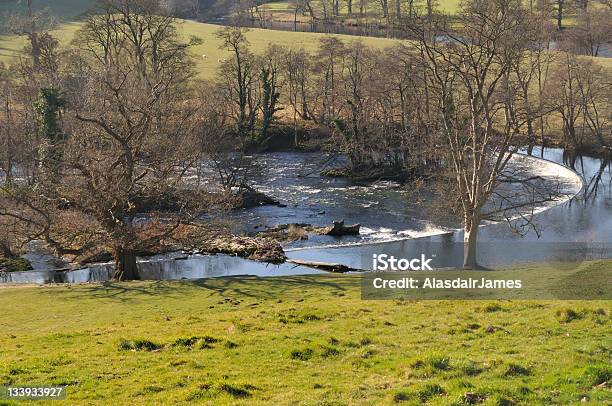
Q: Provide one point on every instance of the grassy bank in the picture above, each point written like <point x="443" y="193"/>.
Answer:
<point x="307" y="340"/>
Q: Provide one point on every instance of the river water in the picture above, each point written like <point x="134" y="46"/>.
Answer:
<point x="394" y="222"/>
<point x="580" y="228"/>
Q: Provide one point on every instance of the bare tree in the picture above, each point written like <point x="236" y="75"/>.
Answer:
<point x="329" y="66"/>
<point x="477" y="104"/>
<point x="32" y="25"/>
<point x="593" y="30"/>
<point x="7" y="153"/>
<point x="128" y="126"/>
<point x="297" y="76"/>
<point x="580" y="94"/>
<point x="271" y="85"/>
<point x="240" y="75"/>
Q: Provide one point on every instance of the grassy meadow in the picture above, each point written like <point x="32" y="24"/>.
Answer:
<point x="300" y="340"/>
<point x="208" y="55"/>
<point x="11" y="46"/>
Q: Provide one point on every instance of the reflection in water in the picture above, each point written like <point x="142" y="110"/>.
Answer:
<point x="592" y="180"/>
<point x="191" y="267"/>
<point x="362" y="30"/>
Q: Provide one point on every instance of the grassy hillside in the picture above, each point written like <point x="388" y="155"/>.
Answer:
<point x="259" y="39"/>
<point x="307" y="340"/>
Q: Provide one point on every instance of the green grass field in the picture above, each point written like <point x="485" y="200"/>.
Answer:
<point x="259" y="39"/>
<point x="11" y="46"/>
<point x="300" y="340"/>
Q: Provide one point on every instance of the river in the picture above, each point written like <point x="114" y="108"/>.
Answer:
<point x="394" y="222"/>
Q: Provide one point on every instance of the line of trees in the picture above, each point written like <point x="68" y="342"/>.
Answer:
<point x="379" y="105"/>
<point x="590" y="18"/>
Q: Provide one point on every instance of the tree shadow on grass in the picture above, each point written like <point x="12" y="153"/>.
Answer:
<point x="274" y="287"/>
<point x="243" y="286"/>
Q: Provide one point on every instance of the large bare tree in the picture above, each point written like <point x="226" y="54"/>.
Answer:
<point x="475" y="67"/>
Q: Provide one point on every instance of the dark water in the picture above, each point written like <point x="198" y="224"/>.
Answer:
<point x="363" y="30"/>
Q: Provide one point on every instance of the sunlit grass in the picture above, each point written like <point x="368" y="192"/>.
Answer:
<point x="208" y="55"/>
<point x="308" y="340"/>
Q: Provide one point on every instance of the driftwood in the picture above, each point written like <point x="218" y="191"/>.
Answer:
<point x="325" y="266"/>
<point x="339" y="229"/>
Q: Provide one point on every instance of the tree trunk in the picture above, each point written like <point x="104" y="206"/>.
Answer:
<point x="560" y="14"/>
<point x="470" y="238"/>
<point x="385" y="8"/>
<point x="125" y="265"/>
<point x="9" y="145"/>
<point x="33" y="36"/>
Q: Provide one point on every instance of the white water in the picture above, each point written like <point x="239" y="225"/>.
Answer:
<point x="571" y="183"/>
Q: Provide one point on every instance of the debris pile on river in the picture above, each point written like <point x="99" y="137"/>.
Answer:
<point x="339" y="229"/>
<point x="247" y="197"/>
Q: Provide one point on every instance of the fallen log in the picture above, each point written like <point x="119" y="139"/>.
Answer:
<point x="325" y="266"/>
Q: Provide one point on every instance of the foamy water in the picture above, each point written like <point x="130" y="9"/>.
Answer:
<point x="568" y="182"/>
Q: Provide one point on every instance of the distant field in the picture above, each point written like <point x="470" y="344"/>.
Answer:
<point x="259" y="39"/>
